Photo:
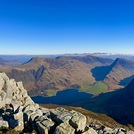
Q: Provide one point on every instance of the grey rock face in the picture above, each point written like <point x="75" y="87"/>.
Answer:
<point x="90" y="131"/>
<point x="3" y="123"/>
<point x="45" y="125"/>
<point x="19" y="112"/>
<point x="64" y="128"/>
<point x="130" y="132"/>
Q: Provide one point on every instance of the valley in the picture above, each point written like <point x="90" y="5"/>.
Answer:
<point x="45" y="76"/>
<point x="42" y="74"/>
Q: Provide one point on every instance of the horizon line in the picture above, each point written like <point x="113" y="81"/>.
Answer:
<point x="101" y="53"/>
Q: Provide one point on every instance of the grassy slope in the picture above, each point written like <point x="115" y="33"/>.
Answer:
<point x="96" y="88"/>
<point x="92" y="118"/>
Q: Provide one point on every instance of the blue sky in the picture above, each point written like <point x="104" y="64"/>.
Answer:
<point x="66" y="26"/>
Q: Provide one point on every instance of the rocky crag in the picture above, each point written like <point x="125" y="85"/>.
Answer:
<point x="19" y="114"/>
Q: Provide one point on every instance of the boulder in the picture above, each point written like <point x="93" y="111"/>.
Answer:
<point x="44" y="125"/>
<point x="78" y="121"/>
<point x="19" y="118"/>
<point x="75" y="119"/>
<point x="108" y="130"/>
<point x="27" y="115"/>
<point x="32" y="107"/>
<point x="63" y="117"/>
<point x="90" y="131"/>
<point x="3" y="124"/>
<point x="129" y="132"/>
<point x="36" y="114"/>
<point x="64" y="128"/>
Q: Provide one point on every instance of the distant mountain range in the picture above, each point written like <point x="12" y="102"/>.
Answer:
<point x="24" y="58"/>
<point x="4" y="62"/>
<point x="114" y="56"/>
<point x="46" y="76"/>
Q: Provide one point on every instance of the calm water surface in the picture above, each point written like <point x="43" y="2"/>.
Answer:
<point x="63" y="97"/>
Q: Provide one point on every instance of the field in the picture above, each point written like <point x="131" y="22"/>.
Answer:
<point x="96" y="88"/>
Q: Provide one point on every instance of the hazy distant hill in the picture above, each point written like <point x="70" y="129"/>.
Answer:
<point x="115" y="56"/>
<point x="23" y="58"/>
<point x="8" y="62"/>
<point x="48" y="75"/>
<point x="89" y="59"/>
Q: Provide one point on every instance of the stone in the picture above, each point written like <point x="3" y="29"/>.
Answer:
<point x="45" y="123"/>
<point x="32" y="107"/>
<point x="120" y="132"/>
<point x="108" y="130"/>
<point x="27" y="115"/>
<point x="27" y="101"/>
<point x="100" y="132"/>
<point x="4" y="76"/>
<point x="15" y="105"/>
<point x="45" y="126"/>
<point x="2" y="83"/>
<point x="62" y="117"/>
<point x="41" y="128"/>
<point x="129" y="132"/>
<point x="90" y="131"/>
<point x="2" y="99"/>
<point x="36" y="114"/>
<point x="3" y="124"/>
<point x="75" y="119"/>
<point x="19" y="118"/>
<point x="64" y="128"/>
<point x="45" y="112"/>
<point x="78" y="121"/>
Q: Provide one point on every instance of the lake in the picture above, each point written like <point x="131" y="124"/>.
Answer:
<point x="64" y="97"/>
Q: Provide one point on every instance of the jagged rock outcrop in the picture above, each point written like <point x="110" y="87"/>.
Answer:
<point x="19" y="113"/>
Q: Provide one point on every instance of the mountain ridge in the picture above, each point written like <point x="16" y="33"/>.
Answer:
<point x="120" y="69"/>
<point x="40" y="74"/>
<point x="117" y="75"/>
<point x="46" y="76"/>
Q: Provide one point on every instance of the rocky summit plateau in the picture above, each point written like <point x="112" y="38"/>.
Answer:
<point x="19" y="114"/>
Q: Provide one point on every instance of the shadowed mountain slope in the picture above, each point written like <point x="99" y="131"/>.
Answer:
<point x="116" y="75"/>
<point x="117" y="104"/>
<point x="121" y="69"/>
